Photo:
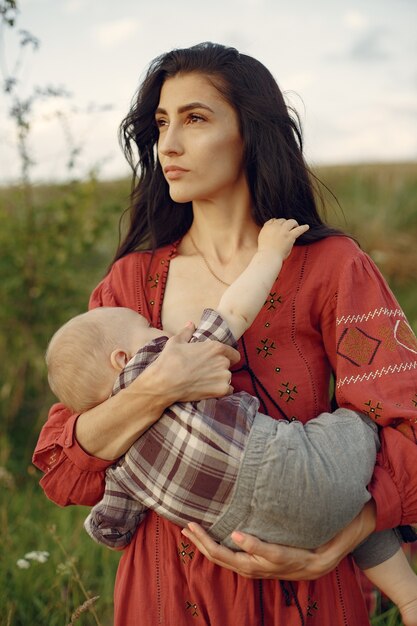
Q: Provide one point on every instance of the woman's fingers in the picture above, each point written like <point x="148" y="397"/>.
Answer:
<point x="213" y="348"/>
<point x="258" y="559"/>
<point x="185" y="334"/>
<point x="193" y="371"/>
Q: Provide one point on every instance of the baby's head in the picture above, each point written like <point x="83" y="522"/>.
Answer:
<point x="85" y="356"/>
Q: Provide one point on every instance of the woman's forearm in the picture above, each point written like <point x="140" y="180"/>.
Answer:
<point x="182" y="372"/>
<point x="109" y="429"/>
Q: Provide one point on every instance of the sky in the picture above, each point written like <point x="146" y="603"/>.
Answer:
<point x="349" y="67"/>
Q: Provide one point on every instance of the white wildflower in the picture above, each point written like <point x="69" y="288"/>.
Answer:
<point x="41" y="556"/>
<point x="22" y="563"/>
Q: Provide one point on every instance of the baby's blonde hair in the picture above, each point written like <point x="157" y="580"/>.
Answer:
<point x="78" y="356"/>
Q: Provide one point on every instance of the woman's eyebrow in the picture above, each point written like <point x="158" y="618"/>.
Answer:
<point x="186" y="107"/>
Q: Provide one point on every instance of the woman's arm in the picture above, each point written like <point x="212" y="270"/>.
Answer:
<point x="72" y="475"/>
<point x="201" y="371"/>
<point x="69" y="445"/>
<point x="373" y="352"/>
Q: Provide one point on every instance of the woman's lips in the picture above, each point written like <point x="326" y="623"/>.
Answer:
<point x="172" y="172"/>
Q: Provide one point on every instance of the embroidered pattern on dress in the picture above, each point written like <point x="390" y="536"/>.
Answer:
<point x="387" y="336"/>
<point x="52" y="459"/>
<point x="357" y="346"/>
<point x="355" y="319"/>
<point x="192" y="607"/>
<point x="391" y="369"/>
<point x="311" y="606"/>
<point x="287" y="392"/>
<point x="272" y="300"/>
<point x="153" y="280"/>
<point x="184" y="552"/>
<point x="405" y="336"/>
<point x="266" y="348"/>
<point x="372" y="410"/>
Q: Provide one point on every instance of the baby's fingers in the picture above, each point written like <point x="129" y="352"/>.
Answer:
<point x="297" y="231"/>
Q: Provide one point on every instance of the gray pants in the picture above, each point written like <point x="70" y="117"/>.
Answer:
<point x="299" y="485"/>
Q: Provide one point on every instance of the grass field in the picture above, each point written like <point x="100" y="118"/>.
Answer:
<point x="378" y="207"/>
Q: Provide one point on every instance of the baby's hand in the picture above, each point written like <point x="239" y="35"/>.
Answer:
<point x="278" y="235"/>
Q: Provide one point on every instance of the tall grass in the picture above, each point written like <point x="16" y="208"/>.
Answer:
<point x="378" y="206"/>
<point x="47" y="593"/>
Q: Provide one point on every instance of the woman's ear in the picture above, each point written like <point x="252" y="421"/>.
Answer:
<point x="119" y="359"/>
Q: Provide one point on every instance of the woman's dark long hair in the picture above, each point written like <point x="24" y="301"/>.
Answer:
<point x="279" y="180"/>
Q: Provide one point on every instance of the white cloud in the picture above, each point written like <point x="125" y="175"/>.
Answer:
<point x="355" y="20"/>
<point x="73" y="6"/>
<point x="371" y="47"/>
<point x="115" y="32"/>
<point x="301" y="80"/>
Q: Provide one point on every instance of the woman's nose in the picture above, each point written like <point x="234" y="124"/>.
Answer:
<point x="170" y="141"/>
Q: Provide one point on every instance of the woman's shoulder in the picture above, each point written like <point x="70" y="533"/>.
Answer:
<point x="335" y="247"/>
<point x="329" y="266"/>
<point x="127" y="275"/>
<point x="338" y="266"/>
<point x="143" y="258"/>
<point x="335" y="255"/>
<point x="139" y="263"/>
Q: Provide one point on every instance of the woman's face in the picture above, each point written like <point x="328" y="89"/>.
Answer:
<point x="200" y="148"/>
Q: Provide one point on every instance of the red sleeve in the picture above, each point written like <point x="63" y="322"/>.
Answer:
<point x="374" y="356"/>
<point x="71" y="475"/>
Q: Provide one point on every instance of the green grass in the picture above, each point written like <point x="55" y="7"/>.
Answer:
<point x="378" y="206"/>
<point x="47" y="593"/>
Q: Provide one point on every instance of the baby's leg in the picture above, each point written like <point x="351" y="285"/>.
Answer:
<point x="331" y="472"/>
<point x="396" y="579"/>
<point x="300" y="485"/>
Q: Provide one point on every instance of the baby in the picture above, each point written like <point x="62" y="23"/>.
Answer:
<point x="212" y="461"/>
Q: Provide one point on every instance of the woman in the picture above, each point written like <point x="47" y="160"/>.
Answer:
<point x="228" y="159"/>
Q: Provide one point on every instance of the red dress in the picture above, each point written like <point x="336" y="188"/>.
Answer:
<point x="329" y="310"/>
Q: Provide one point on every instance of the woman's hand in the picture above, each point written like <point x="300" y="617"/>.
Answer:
<point x="185" y="371"/>
<point x="264" y="560"/>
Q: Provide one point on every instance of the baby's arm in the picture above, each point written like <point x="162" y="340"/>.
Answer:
<point x="242" y="301"/>
<point x="113" y="521"/>
<point x="396" y="579"/>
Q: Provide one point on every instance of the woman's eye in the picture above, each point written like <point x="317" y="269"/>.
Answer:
<point x="194" y="117"/>
<point x="160" y="122"/>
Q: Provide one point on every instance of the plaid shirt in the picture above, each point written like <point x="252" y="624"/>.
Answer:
<point x="184" y="466"/>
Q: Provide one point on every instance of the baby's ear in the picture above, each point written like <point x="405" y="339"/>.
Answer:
<point x="119" y="359"/>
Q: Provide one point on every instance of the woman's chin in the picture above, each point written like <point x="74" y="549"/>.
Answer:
<point x="179" y="198"/>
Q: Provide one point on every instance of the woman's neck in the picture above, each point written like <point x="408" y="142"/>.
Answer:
<point x="222" y="230"/>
